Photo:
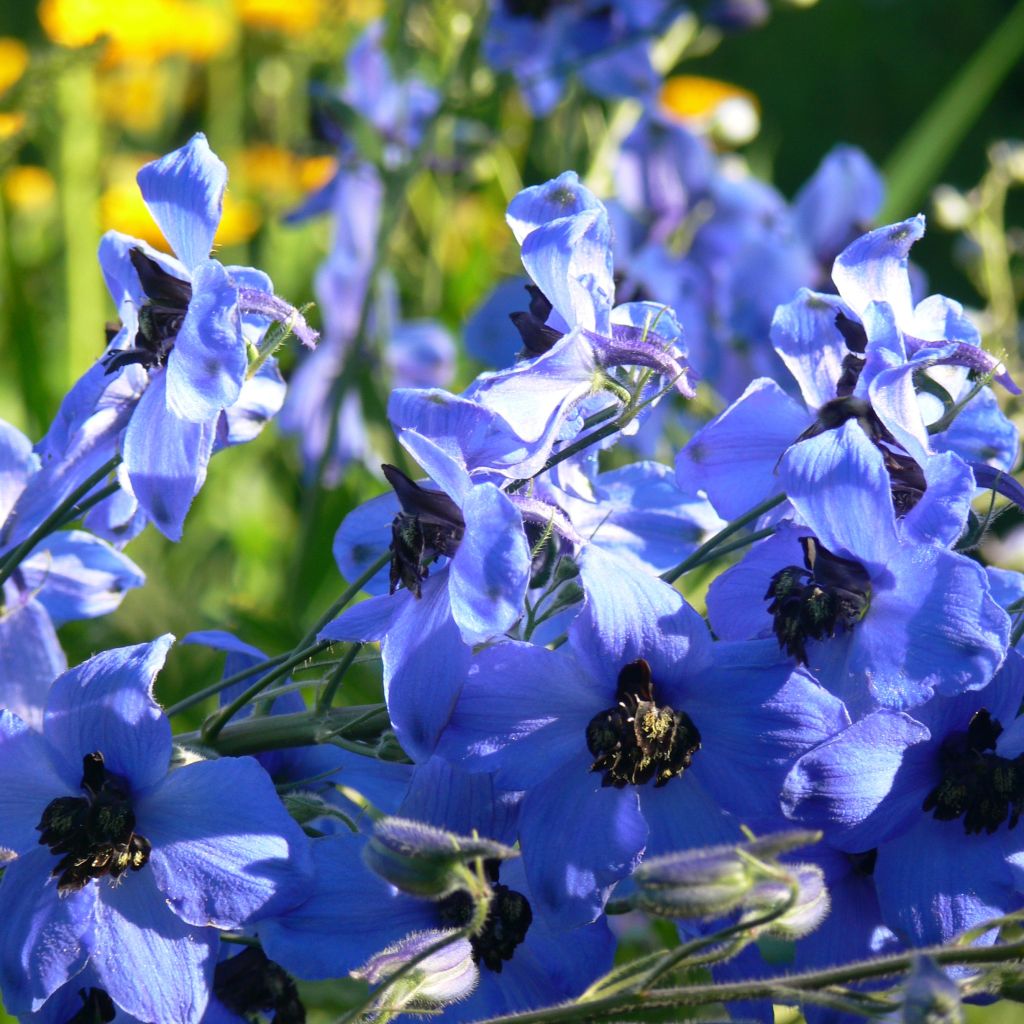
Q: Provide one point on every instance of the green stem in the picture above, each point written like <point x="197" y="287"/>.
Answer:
<point x="326" y="698"/>
<point x="91" y="502"/>
<point x="738" y="544"/>
<point x="214" y="688"/>
<point x="54" y="520"/>
<point x="701" y="554"/>
<point x="573" y="449"/>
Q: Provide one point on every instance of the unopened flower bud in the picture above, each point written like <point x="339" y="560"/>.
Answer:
<point x="811" y="906"/>
<point x="707" y="882"/>
<point x="425" y="861"/>
<point x="930" y="997"/>
<point x="952" y="208"/>
<point x="443" y="977"/>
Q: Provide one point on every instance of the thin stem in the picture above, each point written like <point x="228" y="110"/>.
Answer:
<point x="214" y="688"/>
<point x="568" y="452"/>
<point x="55" y="519"/>
<point x="738" y="544"/>
<point x="326" y="698"/>
<point x="89" y="503"/>
<point x="700" y="555"/>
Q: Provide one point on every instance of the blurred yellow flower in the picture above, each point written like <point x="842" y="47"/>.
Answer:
<point x="11" y="122"/>
<point x="13" y="61"/>
<point x="137" y="94"/>
<point x="293" y="17"/>
<point x="139" y="29"/>
<point x="122" y="209"/>
<point x="29" y="187"/>
<point x="315" y="171"/>
<point x="728" y="112"/>
<point x="267" y="170"/>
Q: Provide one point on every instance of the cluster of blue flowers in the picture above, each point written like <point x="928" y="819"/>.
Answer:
<point x="565" y="735"/>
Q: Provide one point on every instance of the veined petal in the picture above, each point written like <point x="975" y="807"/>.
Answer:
<point x="206" y="368"/>
<point x="222" y="862"/>
<point x="106" y="704"/>
<point x="184" y="191"/>
<point x="805" y="335"/>
<point x="445" y="470"/>
<point x="136" y="937"/>
<point x="166" y="458"/>
<point x="941" y="513"/>
<point x="563" y="196"/>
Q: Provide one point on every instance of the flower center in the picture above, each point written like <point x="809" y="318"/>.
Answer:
<point x="94" y="835"/>
<point x="250" y="983"/>
<point x="430" y="525"/>
<point x="509" y="917"/>
<point x="829" y="596"/>
<point x="983" y="788"/>
<point x="637" y="740"/>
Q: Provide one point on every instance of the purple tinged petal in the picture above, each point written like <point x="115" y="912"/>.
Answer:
<point x="137" y="936"/>
<point x="166" y="458"/>
<point x="30" y="659"/>
<point x="43" y="940"/>
<point x="206" y="367"/>
<point x="838" y="483"/>
<point x="222" y="862"/>
<point x="28" y="783"/>
<point x="184" y="191"/>
<point x="874" y="268"/>
<point x="805" y="335"/>
<point x="78" y="576"/>
<point x="563" y="196"/>
<point x="865" y="785"/>
<point x="579" y="838"/>
<point x="490" y="571"/>
<point x="734" y="457"/>
<point x="941" y="513"/>
<point x="631" y="346"/>
<point x="17" y="464"/>
<point x="106" y="704"/>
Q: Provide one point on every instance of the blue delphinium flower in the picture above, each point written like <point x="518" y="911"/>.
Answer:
<point x="935" y="795"/>
<point x="651" y="738"/>
<point x="187" y="323"/>
<point x="877" y="607"/>
<point x="121" y="866"/>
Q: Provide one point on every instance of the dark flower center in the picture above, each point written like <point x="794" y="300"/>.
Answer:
<point x="509" y="917"/>
<point x="637" y="740"/>
<point x="97" y="1007"/>
<point x="982" y="787"/>
<point x="430" y="525"/>
<point x="532" y="326"/>
<point x="863" y="864"/>
<point x="828" y="596"/>
<point x="94" y="835"/>
<point x="251" y="983"/>
<point x="160" y="318"/>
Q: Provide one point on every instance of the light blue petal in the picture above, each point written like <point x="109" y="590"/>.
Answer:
<point x="42" y="942"/>
<point x="138" y="936"/>
<point x="259" y="401"/>
<point x="489" y="335"/>
<point x="17" y="464"/>
<point x="981" y="433"/>
<point x="222" y="862"/>
<point x="79" y="576"/>
<point x="206" y="367"/>
<point x="166" y="458"/>
<point x="941" y="514"/>
<point x="733" y="459"/>
<point x="184" y="191"/>
<point x="561" y="197"/>
<point x="364" y="535"/>
<point x="106" y="704"/>
<point x="578" y="839"/>
<point x="30" y="659"/>
<point x="491" y="570"/>
<point x="447" y="472"/>
<point x="805" y="335"/>
<point x="420" y="354"/>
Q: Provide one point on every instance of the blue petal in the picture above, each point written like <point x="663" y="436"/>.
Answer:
<point x="184" y="191"/>
<point x="79" y="576"/>
<point x="563" y="196"/>
<point x="206" y="367"/>
<point x="221" y="862"/>
<point x="734" y="457"/>
<point x="30" y="659"/>
<point x="805" y="335"/>
<point x="874" y="268"/>
<point x="17" y="464"/>
<point x="29" y="784"/>
<point x="491" y="570"/>
<point x="523" y="728"/>
<point x="420" y="354"/>
<point x="981" y="433"/>
<point x="934" y="881"/>
<point x="166" y="458"/>
<point x="579" y="838"/>
<point x="364" y="535"/>
<point x="308" y="941"/>
<point x="941" y="513"/>
<point x="838" y="483"/>
<point x="865" y="785"/>
<point x="685" y="814"/>
<point x="447" y="472"/>
<point x="489" y="336"/>
<point x="570" y="260"/>
<point x="152" y="964"/>
<point x="107" y="704"/>
<point x="42" y="942"/>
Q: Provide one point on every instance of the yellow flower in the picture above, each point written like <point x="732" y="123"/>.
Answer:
<point x="293" y="17"/>
<point x="13" y="61"/>
<point x="28" y="187"/>
<point x="266" y="170"/>
<point x="11" y="122"/>
<point x="137" y="94"/>
<point x="728" y="112"/>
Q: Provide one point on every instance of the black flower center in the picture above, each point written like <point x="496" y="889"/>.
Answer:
<point x="509" y="917"/>
<point x="94" y="835"/>
<point x="160" y="317"/>
<point x="982" y="787"/>
<point x="430" y="525"/>
<point x="828" y="596"/>
<point x="250" y="983"/>
<point x="532" y="326"/>
<point x="637" y="740"/>
<point x="97" y="1007"/>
